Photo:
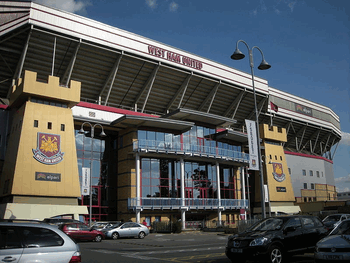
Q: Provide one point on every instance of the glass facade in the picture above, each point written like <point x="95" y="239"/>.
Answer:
<point x="92" y="153"/>
<point x="161" y="177"/>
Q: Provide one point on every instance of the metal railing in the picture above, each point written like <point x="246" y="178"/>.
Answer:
<point x="189" y="203"/>
<point x="189" y="149"/>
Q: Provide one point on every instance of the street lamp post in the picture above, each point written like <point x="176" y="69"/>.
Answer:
<point x="102" y="134"/>
<point x="237" y="55"/>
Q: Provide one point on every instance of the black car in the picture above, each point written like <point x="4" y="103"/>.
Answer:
<point x="272" y="238"/>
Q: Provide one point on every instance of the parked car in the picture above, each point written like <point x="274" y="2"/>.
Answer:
<point x="336" y="246"/>
<point x="271" y="239"/>
<point x="333" y="220"/>
<point x="128" y="229"/>
<point x="59" y="221"/>
<point x="35" y="242"/>
<point x="102" y="225"/>
<point x="82" y="232"/>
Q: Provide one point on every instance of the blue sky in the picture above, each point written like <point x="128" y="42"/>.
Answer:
<point x="307" y="42"/>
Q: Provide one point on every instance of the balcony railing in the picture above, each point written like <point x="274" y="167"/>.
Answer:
<point x="189" y="149"/>
<point x="190" y="203"/>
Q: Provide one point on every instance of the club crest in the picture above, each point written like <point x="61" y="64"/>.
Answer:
<point x="48" y="149"/>
<point x="278" y="172"/>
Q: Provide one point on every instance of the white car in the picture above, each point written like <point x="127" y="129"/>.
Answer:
<point x="36" y="242"/>
<point x="129" y="229"/>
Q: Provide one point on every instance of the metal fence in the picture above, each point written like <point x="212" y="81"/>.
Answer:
<point x="187" y="148"/>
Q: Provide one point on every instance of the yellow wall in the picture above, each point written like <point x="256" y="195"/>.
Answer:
<point x="20" y="165"/>
<point x="275" y="154"/>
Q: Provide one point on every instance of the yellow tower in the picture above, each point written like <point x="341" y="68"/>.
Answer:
<point x="277" y="177"/>
<point x="40" y="177"/>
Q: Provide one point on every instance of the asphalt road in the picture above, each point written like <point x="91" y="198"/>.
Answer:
<point x="184" y="247"/>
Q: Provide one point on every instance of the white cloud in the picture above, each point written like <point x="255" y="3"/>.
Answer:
<point x="173" y="7"/>
<point x="151" y="3"/>
<point x="291" y="5"/>
<point x="67" y="5"/>
<point x="345" y="138"/>
<point x="342" y="183"/>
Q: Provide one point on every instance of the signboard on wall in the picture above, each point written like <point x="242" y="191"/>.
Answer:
<point x="40" y="176"/>
<point x="253" y="145"/>
<point x="85" y="182"/>
<point x="48" y="149"/>
<point x="302" y="109"/>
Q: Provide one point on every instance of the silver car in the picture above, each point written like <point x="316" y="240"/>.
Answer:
<point x="35" y="242"/>
<point x="336" y="246"/>
<point x="129" y="229"/>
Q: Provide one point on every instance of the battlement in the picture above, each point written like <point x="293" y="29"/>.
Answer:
<point x="273" y="133"/>
<point x="30" y="87"/>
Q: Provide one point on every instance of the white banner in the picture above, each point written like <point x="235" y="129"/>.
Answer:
<point x="253" y="145"/>
<point x="266" y="193"/>
<point x="85" y="184"/>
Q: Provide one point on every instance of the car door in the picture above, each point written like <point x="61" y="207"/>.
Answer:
<point x="125" y="230"/>
<point x="135" y="229"/>
<point x="293" y="234"/>
<point x="310" y="232"/>
<point x="11" y="247"/>
<point x="44" y="245"/>
<point x="73" y="231"/>
<point x="84" y="232"/>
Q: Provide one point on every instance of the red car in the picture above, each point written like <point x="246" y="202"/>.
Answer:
<point x="82" y="232"/>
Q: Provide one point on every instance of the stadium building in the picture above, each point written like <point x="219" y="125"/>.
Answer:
<point x="165" y="135"/>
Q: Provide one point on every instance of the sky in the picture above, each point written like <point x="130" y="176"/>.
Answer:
<point x="307" y="42"/>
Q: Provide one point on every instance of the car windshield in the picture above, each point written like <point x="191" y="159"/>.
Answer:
<point x="342" y="229"/>
<point x="332" y="218"/>
<point x="113" y="225"/>
<point x="267" y="224"/>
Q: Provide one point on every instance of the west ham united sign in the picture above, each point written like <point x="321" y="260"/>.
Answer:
<point x="48" y="149"/>
<point x="278" y="172"/>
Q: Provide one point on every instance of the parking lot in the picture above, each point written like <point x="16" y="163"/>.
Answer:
<point x="183" y="247"/>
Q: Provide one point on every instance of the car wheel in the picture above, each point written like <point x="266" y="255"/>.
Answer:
<point x="142" y="235"/>
<point x="98" y="238"/>
<point x="276" y="254"/>
<point x="115" y="235"/>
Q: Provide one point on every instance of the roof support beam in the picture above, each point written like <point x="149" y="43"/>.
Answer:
<point x="252" y="113"/>
<point x="20" y="64"/>
<point x="182" y="89"/>
<point x="235" y="104"/>
<point x="150" y="85"/>
<point x="318" y="135"/>
<point x="302" y="137"/>
<point x="326" y="144"/>
<point x="68" y="73"/>
<point x="211" y="95"/>
<point x="110" y="79"/>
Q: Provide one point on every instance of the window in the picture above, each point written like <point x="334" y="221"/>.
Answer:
<point x="62" y="127"/>
<point x="290" y="171"/>
<point x="305" y="185"/>
<point x="49" y="125"/>
<point x="304" y="172"/>
<point x="36" y="123"/>
<point x="8" y="238"/>
<point x="281" y="158"/>
<point x="312" y="186"/>
<point x="40" y="237"/>
<point x="311" y="173"/>
<point x="317" y="173"/>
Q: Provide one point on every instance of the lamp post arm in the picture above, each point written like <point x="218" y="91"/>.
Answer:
<point x="262" y="54"/>
<point x="245" y="43"/>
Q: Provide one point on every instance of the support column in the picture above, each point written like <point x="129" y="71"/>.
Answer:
<point x="138" y="190"/>
<point x="218" y="191"/>
<point x="183" y="207"/>
<point x="243" y="191"/>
